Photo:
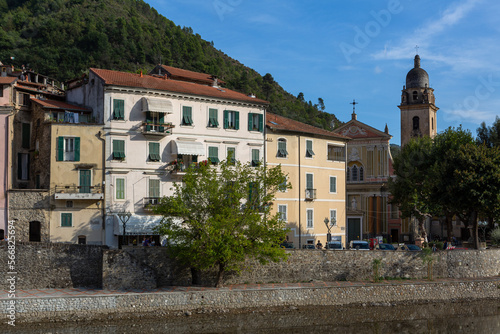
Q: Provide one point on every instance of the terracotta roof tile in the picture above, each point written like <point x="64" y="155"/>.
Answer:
<point x="7" y="80"/>
<point x="180" y="73"/>
<point x="53" y="104"/>
<point x="150" y="82"/>
<point x="277" y="122"/>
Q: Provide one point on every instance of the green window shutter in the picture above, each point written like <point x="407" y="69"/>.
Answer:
<point x="261" y="123"/>
<point x="255" y="157"/>
<point x="187" y="116"/>
<point x="154" y="151"/>
<point x="118" y="149"/>
<point x="309" y="150"/>
<point x="213" y="122"/>
<point x="282" y="152"/>
<point x="66" y="219"/>
<point x="118" y="109"/>
<point x="231" y="155"/>
<point x="85" y="181"/>
<point x="77" y="149"/>
<point x="120" y="188"/>
<point x="250" y="121"/>
<point x="226" y="119"/>
<point x="154" y="188"/>
<point x="162" y="121"/>
<point x="237" y="120"/>
<point x="309" y="181"/>
<point x="333" y="184"/>
<point x="26" y="129"/>
<point x="213" y="154"/>
<point x="60" y="148"/>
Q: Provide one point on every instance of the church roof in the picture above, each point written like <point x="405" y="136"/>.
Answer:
<point x="417" y="77"/>
<point x="359" y="130"/>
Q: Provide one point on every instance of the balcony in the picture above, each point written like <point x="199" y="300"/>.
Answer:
<point x="79" y="193"/>
<point x="157" y="129"/>
<point x="150" y="202"/>
<point x="310" y="194"/>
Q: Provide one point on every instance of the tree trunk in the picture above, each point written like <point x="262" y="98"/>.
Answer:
<point x="475" y="229"/>
<point x="421" y="227"/>
<point x="220" y="275"/>
<point x="195" y="276"/>
<point x="449" y="227"/>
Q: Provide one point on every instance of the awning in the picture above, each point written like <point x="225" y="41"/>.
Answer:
<point x="156" y="105"/>
<point x="137" y="225"/>
<point x="188" y="148"/>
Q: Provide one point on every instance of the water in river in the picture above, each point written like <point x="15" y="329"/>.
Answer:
<point x="475" y="317"/>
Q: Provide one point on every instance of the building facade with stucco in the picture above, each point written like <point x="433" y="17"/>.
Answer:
<point x="154" y="128"/>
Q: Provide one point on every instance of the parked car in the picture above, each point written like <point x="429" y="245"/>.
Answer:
<point x="411" y="248"/>
<point x="359" y="245"/>
<point x="309" y="246"/>
<point x="335" y="245"/>
<point x="387" y="247"/>
<point x="286" y="245"/>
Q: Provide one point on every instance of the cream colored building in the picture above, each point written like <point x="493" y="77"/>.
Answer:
<point x="68" y="161"/>
<point x="154" y="127"/>
<point x="314" y="160"/>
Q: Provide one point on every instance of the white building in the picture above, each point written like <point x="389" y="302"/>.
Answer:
<point x="152" y="122"/>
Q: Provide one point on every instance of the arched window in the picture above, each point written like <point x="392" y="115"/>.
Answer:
<point x="354" y="173"/>
<point x="282" y="152"/>
<point x="361" y="173"/>
<point x="416" y="123"/>
<point x="348" y="176"/>
<point x="415" y="95"/>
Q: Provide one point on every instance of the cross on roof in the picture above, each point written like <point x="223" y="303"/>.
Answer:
<point x="354" y="106"/>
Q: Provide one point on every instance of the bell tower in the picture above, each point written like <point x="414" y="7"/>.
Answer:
<point x="418" y="109"/>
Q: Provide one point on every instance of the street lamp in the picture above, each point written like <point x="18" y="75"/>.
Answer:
<point x="329" y="228"/>
<point x="124" y="217"/>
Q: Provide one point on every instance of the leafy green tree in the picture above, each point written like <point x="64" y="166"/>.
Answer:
<point x="489" y="135"/>
<point x="220" y="216"/>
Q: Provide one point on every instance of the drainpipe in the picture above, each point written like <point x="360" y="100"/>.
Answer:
<point x="300" y="204"/>
<point x="103" y="185"/>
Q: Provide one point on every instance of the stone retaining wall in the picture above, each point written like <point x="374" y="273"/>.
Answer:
<point x="153" y="305"/>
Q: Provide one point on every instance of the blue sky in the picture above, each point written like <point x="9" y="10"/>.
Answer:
<point x="360" y="49"/>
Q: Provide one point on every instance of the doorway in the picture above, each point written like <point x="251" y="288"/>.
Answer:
<point x="35" y="232"/>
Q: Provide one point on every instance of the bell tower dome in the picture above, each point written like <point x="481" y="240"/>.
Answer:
<point x="418" y="109"/>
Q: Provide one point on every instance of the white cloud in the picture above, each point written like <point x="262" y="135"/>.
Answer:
<point x="378" y="70"/>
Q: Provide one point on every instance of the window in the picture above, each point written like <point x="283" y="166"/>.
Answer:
<point x="416" y="122"/>
<point x="154" y="152"/>
<point x="118" y="149"/>
<point x="120" y="188"/>
<point x="231" y="155"/>
<point x="231" y="119"/>
<point x="155" y="121"/>
<point x="23" y="166"/>
<point x="213" y="120"/>
<point x="255" y="122"/>
<point x="333" y="217"/>
<point x="26" y="140"/>
<point x="255" y="158"/>
<point x="66" y="219"/>
<point x="187" y="116"/>
<point x="154" y="188"/>
<point x="85" y="181"/>
<point x="309" y="181"/>
<point x="336" y="153"/>
<point x="354" y="173"/>
<point x="69" y="204"/>
<point x="213" y="154"/>
<point x="118" y="109"/>
<point x="82" y="240"/>
<point x="282" y="185"/>
<point x="309" y="149"/>
<point x="333" y="184"/>
<point x="361" y="173"/>
<point x="415" y="95"/>
<point x="348" y="174"/>
<point x="310" y="218"/>
<point x="37" y="181"/>
<point x="68" y="148"/>
<point x="282" y="212"/>
<point x="282" y="153"/>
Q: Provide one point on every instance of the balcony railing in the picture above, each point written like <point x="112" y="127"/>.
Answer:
<point x="150" y="202"/>
<point x="310" y="194"/>
<point x="79" y="192"/>
<point x="157" y="129"/>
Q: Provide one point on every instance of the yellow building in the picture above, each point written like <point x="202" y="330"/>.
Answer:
<point x="68" y="161"/>
<point x="314" y="160"/>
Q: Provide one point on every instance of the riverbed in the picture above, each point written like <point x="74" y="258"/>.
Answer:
<point x="478" y="317"/>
